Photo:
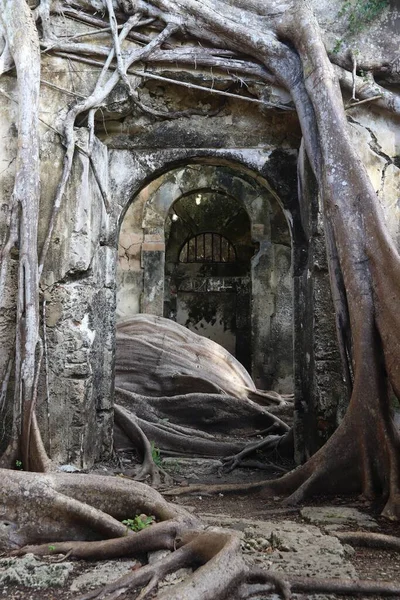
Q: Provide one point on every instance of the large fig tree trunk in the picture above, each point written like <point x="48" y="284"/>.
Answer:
<point x="23" y="43"/>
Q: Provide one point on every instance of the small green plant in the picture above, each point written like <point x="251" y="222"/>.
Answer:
<point x="346" y="6"/>
<point x="52" y="548"/>
<point x="156" y="455"/>
<point x="337" y="46"/>
<point x="18" y="465"/>
<point x="139" y="522"/>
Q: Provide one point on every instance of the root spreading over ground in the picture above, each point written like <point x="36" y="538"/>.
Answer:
<point x="80" y="516"/>
<point x="188" y="396"/>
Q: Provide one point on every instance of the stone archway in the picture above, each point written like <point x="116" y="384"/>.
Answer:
<point x="318" y="384"/>
<point x="81" y="308"/>
<point x="142" y="262"/>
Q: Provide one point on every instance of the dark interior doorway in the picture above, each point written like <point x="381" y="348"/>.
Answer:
<point x="208" y="269"/>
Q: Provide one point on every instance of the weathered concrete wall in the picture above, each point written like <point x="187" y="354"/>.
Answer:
<point x="219" y="320"/>
<point x="238" y="124"/>
<point x="77" y="302"/>
<point x="79" y="283"/>
<point x="320" y="393"/>
<point x="377" y="139"/>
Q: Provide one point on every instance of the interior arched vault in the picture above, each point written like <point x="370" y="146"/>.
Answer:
<point x="208" y="279"/>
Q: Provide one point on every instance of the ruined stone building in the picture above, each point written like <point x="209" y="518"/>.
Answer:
<point x="197" y="218"/>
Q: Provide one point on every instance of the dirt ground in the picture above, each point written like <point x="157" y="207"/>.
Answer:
<point x="252" y="518"/>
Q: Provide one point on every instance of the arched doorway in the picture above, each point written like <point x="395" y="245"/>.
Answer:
<point x="263" y="311"/>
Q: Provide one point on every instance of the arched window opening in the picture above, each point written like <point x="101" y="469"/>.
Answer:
<point x="207" y="248"/>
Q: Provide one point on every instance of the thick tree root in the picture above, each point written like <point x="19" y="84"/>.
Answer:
<point x="219" y="488"/>
<point x="156" y="356"/>
<point x="129" y="425"/>
<point x="46" y="501"/>
<point x="64" y="507"/>
<point x="169" y="440"/>
<point x="140" y="432"/>
<point x="155" y="409"/>
<point x="369" y="540"/>
<point x="263" y="465"/>
<point x="307" y="585"/>
<point x="268" y="444"/>
<point x="343" y="465"/>
<point x="270" y="398"/>
<point x="38" y="459"/>
<point x="62" y="510"/>
<point x="188" y="432"/>
<point x="343" y="587"/>
<point x="145" y="426"/>
<point x="180" y="443"/>
<point x="166" y="372"/>
<point x="211" y="412"/>
<point x="273" y="581"/>
<point x="160" y="536"/>
<point x="215" y="556"/>
<point x="277" y="446"/>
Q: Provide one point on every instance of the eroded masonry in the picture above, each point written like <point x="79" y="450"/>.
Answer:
<point x="198" y="219"/>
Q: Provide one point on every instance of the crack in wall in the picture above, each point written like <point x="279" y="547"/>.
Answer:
<point x="375" y="146"/>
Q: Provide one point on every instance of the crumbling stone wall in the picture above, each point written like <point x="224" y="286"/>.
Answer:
<point x="77" y="302"/>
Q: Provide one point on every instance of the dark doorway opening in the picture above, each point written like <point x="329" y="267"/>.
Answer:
<point x="208" y="270"/>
